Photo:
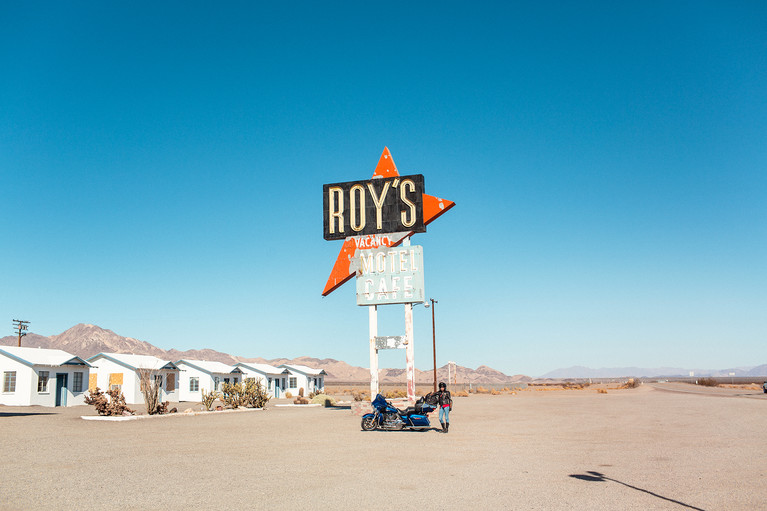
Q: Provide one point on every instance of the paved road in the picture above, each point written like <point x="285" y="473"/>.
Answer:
<point x="708" y="391"/>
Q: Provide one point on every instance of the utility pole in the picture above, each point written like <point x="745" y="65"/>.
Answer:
<point x="20" y="328"/>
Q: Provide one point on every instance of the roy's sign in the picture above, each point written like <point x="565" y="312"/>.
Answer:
<point x="374" y="206"/>
<point x="390" y="275"/>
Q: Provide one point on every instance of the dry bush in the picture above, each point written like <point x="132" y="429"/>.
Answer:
<point x="707" y="382"/>
<point x="632" y="383"/>
<point x="208" y="398"/>
<point x="601" y="391"/>
<point x="232" y="395"/>
<point x="482" y="390"/>
<point x="288" y="395"/>
<point x="494" y="392"/>
<point x="459" y="393"/>
<point x="396" y="393"/>
<point x="254" y="394"/>
<point x="324" y="400"/>
<point x="361" y="395"/>
<point x="151" y="389"/>
<point x="112" y="403"/>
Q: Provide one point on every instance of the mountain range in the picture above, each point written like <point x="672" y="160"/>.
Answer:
<point x="87" y="340"/>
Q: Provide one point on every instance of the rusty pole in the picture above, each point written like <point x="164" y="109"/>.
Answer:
<point x="434" y="342"/>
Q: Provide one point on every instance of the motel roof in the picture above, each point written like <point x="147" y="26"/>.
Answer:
<point x="135" y="362"/>
<point x="41" y="356"/>
<point x="261" y="368"/>
<point x="209" y="366"/>
<point x="304" y="369"/>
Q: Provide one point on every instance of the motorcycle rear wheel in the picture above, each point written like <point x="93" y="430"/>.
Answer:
<point x="369" y="424"/>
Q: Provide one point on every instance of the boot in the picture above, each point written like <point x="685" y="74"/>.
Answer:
<point x="447" y="427"/>
<point x="443" y="427"/>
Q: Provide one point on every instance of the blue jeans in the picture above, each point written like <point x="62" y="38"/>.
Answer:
<point x="444" y="411"/>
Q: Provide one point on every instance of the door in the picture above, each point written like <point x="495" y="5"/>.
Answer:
<point x="277" y="388"/>
<point x="61" y="389"/>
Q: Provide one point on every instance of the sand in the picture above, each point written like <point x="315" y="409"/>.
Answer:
<point x="637" y="449"/>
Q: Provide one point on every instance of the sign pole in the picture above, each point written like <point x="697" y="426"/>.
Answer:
<point x="373" y="316"/>
<point x="410" y="352"/>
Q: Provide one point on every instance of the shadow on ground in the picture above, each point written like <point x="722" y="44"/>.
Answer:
<point x="24" y="414"/>
<point x="598" y="477"/>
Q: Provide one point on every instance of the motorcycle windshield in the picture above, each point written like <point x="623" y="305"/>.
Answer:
<point x="379" y="402"/>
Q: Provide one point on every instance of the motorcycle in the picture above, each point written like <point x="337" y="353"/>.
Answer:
<point x="387" y="417"/>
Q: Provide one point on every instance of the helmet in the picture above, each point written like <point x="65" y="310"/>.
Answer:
<point x="442" y="385"/>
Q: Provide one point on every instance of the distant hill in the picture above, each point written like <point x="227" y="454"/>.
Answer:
<point x="639" y="372"/>
<point x="86" y="340"/>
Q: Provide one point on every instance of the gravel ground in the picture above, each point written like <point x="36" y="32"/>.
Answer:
<point x="571" y="450"/>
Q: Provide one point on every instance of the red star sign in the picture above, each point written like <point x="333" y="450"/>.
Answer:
<point x="433" y="208"/>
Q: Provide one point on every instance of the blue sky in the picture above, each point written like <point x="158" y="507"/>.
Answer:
<point x="163" y="168"/>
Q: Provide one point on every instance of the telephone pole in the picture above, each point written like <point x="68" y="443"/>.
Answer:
<point x="20" y="328"/>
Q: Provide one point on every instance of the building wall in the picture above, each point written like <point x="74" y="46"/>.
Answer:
<point x="26" y="384"/>
<point x="305" y="381"/>
<point x="207" y="382"/>
<point x="131" y="385"/>
<point x="22" y="396"/>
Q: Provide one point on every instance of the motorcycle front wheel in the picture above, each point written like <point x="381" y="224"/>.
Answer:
<point x="369" y="424"/>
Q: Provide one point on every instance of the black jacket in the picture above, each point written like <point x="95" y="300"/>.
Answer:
<point x="444" y="398"/>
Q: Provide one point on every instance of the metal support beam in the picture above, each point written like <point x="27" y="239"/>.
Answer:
<point x="373" y="317"/>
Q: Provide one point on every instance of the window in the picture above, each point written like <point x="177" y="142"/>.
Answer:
<point x="77" y="383"/>
<point x="9" y="381"/>
<point x="234" y="380"/>
<point x="42" y="381"/>
<point x="216" y="383"/>
<point x="170" y="382"/>
<point x="270" y="384"/>
<point x="293" y="382"/>
<point x="194" y="384"/>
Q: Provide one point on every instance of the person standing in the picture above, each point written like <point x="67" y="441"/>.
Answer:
<point x="445" y="402"/>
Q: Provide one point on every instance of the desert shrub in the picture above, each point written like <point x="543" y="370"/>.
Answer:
<point x="494" y="392"/>
<point x="601" y="391"/>
<point x="232" y="394"/>
<point x="708" y="382"/>
<point x="254" y="394"/>
<point x="151" y="389"/>
<point x="111" y="403"/>
<point x="288" y="394"/>
<point x="632" y="383"/>
<point x="208" y="398"/>
<point x="360" y="395"/>
<point x="459" y="393"/>
<point x="324" y="400"/>
<point x="394" y="394"/>
<point x="482" y="390"/>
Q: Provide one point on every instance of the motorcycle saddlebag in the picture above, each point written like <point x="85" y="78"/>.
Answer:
<point x="419" y="420"/>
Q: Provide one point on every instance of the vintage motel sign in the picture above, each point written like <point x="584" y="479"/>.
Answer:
<point x="376" y="206"/>
<point x="373" y="217"/>
<point x="433" y="208"/>
<point x="390" y="275"/>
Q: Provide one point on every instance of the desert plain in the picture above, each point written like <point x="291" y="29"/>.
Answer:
<point x="663" y="446"/>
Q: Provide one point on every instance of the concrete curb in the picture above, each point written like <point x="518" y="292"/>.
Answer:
<point x="121" y="418"/>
